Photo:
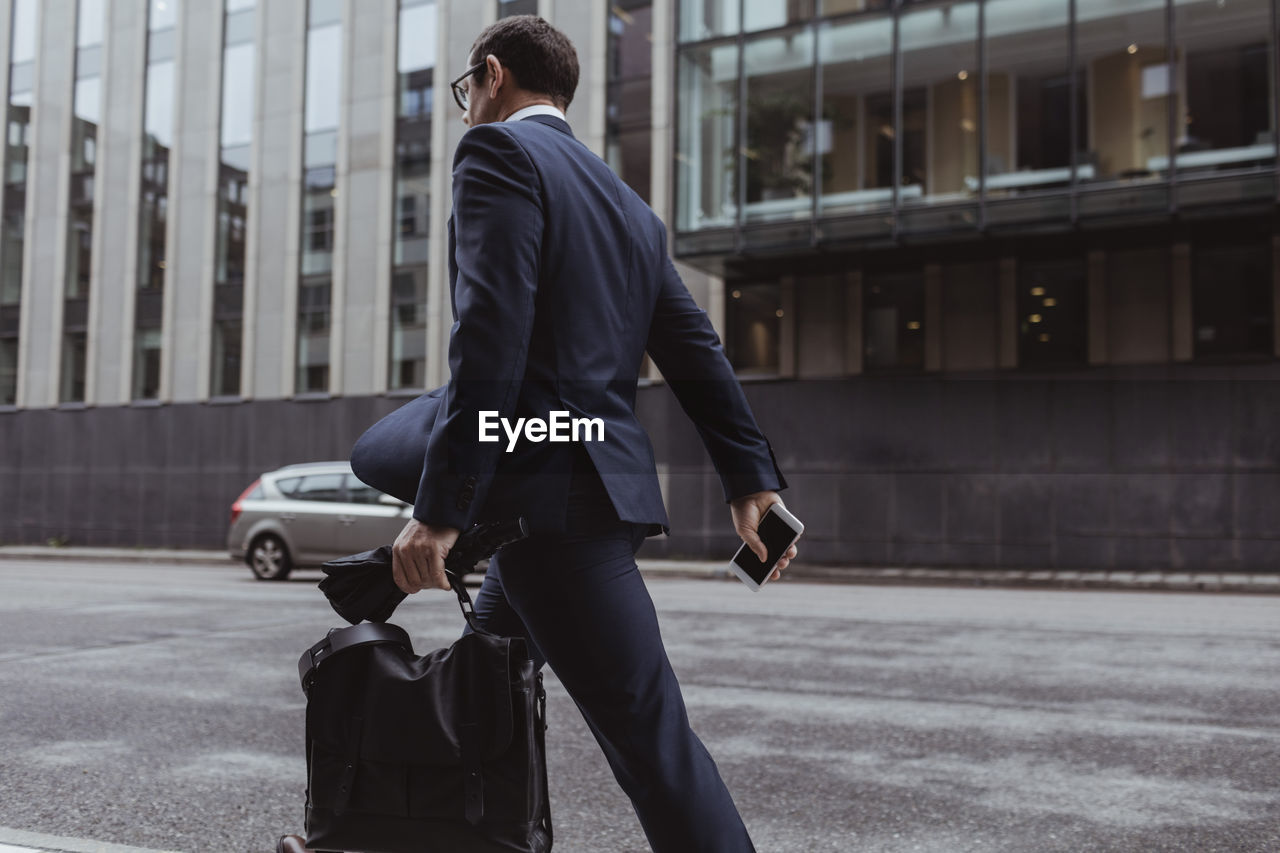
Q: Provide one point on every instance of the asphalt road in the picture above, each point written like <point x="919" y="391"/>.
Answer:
<point x="158" y="706"/>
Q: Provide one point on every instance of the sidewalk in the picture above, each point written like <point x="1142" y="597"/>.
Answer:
<point x="21" y="841"/>
<point x="1194" y="581"/>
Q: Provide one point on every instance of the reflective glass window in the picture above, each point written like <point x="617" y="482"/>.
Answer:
<point x="89" y="23"/>
<point x="1224" y="54"/>
<point x="1053" y="316"/>
<point x="706" y="161"/>
<point x="855" y="133"/>
<point x="359" y="493"/>
<point x="163" y="14"/>
<point x="893" y="321"/>
<point x="324" y="77"/>
<point x="629" y="111"/>
<point x="24" y="32"/>
<point x="507" y="8"/>
<point x="1231" y="297"/>
<point x="753" y="326"/>
<point x="779" y="141"/>
<point x="407" y="342"/>
<point x="1120" y="48"/>
<point x="704" y="19"/>
<point x="1029" y="99"/>
<point x="767" y="14"/>
<point x="320" y="487"/>
<point x="939" y="129"/>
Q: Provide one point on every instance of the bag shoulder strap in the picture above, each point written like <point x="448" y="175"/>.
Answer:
<point x="343" y="639"/>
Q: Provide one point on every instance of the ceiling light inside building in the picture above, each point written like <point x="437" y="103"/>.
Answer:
<point x="963" y="75"/>
<point x="1133" y="48"/>
<point x="737" y="294"/>
<point x="1035" y="318"/>
<point x="914" y="325"/>
<point x="1049" y="302"/>
<point x="1037" y="291"/>
<point x="779" y="313"/>
<point x="1044" y="338"/>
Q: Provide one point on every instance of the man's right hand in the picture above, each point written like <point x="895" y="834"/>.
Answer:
<point x="747" y="512"/>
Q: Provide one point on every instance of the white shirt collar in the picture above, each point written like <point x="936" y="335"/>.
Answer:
<point x="537" y="110"/>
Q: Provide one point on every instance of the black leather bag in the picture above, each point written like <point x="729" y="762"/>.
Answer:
<point x="424" y="754"/>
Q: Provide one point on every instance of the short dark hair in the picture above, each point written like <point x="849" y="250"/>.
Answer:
<point x="541" y="57"/>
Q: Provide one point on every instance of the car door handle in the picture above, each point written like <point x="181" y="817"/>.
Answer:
<point x="288" y="516"/>
<point x="347" y="519"/>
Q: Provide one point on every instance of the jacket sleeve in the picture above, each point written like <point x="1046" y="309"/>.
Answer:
<point x="498" y="224"/>
<point x="685" y="347"/>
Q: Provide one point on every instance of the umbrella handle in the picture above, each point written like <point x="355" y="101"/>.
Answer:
<point x="478" y="543"/>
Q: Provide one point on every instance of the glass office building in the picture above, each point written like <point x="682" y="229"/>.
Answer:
<point x="999" y="275"/>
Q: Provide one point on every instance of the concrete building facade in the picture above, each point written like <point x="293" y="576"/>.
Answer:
<point x="222" y="253"/>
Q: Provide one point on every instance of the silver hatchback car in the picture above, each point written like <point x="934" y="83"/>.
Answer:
<point x="303" y="515"/>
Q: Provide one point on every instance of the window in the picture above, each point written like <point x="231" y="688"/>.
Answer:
<point x="704" y="19"/>
<point x="706" y="168"/>
<point x="778" y="152"/>
<point x="1231" y="300"/>
<point x="893" y="321"/>
<point x="753" y="327"/>
<point x="1029" y="100"/>
<point x="239" y="73"/>
<point x="319" y="487"/>
<point x="940" y="102"/>
<point x="1052" y="313"/>
<point x="629" y="117"/>
<point x="507" y="8"/>
<point x="415" y="63"/>
<point x="1224" y="53"/>
<point x="855" y="134"/>
<point x="359" y="493"/>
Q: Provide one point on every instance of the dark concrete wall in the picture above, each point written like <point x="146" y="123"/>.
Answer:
<point x="1169" y="467"/>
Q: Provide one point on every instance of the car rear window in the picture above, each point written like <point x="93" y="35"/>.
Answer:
<point x="359" y="493"/>
<point x="319" y="487"/>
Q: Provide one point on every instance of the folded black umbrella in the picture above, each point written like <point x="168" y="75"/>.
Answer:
<point x="361" y="587"/>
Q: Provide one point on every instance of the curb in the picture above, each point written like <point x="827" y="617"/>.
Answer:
<point x="1181" y="581"/>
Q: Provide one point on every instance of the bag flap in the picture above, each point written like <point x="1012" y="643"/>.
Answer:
<point x="413" y="708"/>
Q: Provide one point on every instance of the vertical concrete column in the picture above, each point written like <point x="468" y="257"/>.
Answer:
<point x="460" y="21"/>
<point x="1180" y="314"/>
<point x="933" y="317"/>
<point x="586" y="23"/>
<point x="662" y="148"/>
<point x="362" y="256"/>
<point x="193" y="191"/>
<point x="277" y="201"/>
<point x="1008" y="313"/>
<point x="1098" y="327"/>
<point x="40" y="322"/>
<point x="853" y="341"/>
<point x="117" y="206"/>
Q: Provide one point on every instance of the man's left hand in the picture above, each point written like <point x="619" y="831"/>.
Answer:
<point x="417" y="557"/>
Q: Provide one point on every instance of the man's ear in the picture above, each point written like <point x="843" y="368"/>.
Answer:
<point x="497" y="75"/>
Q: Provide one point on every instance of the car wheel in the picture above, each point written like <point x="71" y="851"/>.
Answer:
<point x="269" y="558"/>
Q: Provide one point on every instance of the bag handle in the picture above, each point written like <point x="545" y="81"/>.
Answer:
<point x="341" y="639"/>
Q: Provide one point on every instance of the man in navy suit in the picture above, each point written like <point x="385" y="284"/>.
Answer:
<point x="560" y="283"/>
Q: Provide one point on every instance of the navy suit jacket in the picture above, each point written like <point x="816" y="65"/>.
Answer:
<point x="559" y="283"/>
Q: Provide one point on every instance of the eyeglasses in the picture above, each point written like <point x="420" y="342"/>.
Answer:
<point x="460" y="94"/>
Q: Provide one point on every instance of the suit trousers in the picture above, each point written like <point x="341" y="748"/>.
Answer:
<point x="579" y="599"/>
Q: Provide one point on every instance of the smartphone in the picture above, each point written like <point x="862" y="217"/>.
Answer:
<point x="779" y="530"/>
